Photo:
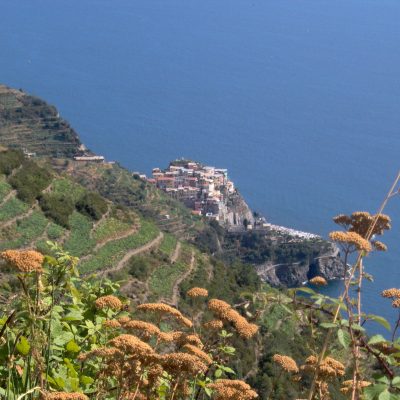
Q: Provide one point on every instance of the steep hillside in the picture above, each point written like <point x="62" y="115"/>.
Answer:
<point x="30" y="122"/>
<point x="121" y="227"/>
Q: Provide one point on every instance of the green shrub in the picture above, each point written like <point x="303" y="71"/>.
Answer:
<point x="92" y="205"/>
<point x="139" y="267"/>
<point x="9" y="160"/>
<point x="55" y="231"/>
<point x="30" y="181"/>
<point x="57" y="208"/>
<point x="64" y="187"/>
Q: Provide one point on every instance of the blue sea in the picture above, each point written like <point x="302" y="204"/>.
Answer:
<point x="299" y="99"/>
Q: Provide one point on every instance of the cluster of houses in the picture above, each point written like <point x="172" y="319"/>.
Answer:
<point x="203" y="189"/>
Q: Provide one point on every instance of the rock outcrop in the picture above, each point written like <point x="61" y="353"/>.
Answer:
<point x="328" y="265"/>
<point x="238" y="212"/>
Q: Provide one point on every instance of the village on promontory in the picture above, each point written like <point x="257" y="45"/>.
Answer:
<point x="203" y="189"/>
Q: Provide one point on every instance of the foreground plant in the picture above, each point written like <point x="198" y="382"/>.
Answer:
<point x="67" y="338"/>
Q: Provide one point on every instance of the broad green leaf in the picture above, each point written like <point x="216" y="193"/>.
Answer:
<point x="218" y="373"/>
<point x="328" y="325"/>
<point x="344" y="338"/>
<point x="306" y="290"/>
<point x="72" y="346"/>
<point x="86" y="380"/>
<point x="373" y="392"/>
<point x="386" y="395"/>
<point x="73" y="315"/>
<point x="380" y="320"/>
<point x="357" y="327"/>
<point x="376" y="339"/>
<point x="23" y="346"/>
<point x="396" y="382"/>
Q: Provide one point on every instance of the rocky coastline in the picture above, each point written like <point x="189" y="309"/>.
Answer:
<point x="327" y="265"/>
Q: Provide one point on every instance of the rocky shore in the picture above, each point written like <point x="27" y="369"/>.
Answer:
<point x="327" y="264"/>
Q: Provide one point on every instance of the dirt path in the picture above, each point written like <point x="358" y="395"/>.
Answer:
<point x="177" y="252"/>
<point x="8" y="197"/>
<point x="175" y="290"/>
<point x="142" y="249"/>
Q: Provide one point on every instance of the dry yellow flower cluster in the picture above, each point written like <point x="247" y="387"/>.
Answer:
<point x="226" y="313"/>
<point x="24" y="260"/>
<point x="351" y="238"/>
<point x="109" y="301"/>
<point x="318" y="281"/>
<point x="146" y="329"/>
<point x="63" y="396"/>
<point x="165" y="309"/>
<point x="379" y="246"/>
<point x="214" y="324"/>
<point x="329" y="368"/>
<point x="182" y="363"/>
<point x="361" y="222"/>
<point x="225" y="389"/>
<point x="396" y="303"/>
<point x="197" y="292"/>
<point x="286" y="363"/>
<point x="132" y="345"/>
<point x="112" y="323"/>
<point x="392" y="293"/>
<point x="133" y="360"/>
<point x="348" y="386"/>
<point x="194" y="350"/>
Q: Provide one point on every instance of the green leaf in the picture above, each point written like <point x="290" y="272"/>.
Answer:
<point x="60" y="382"/>
<point x="23" y="346"/>
<point x="218" y="373"/>
<point x="357" y="327"/>
<point x="386" y="395"/>
<point x="63" y="338"/>
<point x="344" y="338"/>
<point x="306" y="290"/>
<point x="396" y="382"/>
<point x="73" y="315"/>
<point x="373" y="392"/>
<point x="228" y="370"/>
<point x="86" y="380"/>
<point x="376" y="339"/>
<point x="380" y="320"/>
<point x="328" y="325"/>
<point x="72" y="346"/>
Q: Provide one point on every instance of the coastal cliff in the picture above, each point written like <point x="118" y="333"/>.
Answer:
<point x="327" y="265"/>
<point x="238" y="212"/>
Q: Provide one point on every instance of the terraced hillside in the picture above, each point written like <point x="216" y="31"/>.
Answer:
<point x="33" y="211"/>
<point x="126" y="189"/>
<point x="29" y="121"/>
<point x="37" y="204"/>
